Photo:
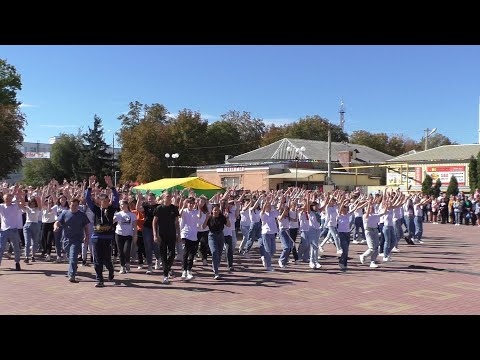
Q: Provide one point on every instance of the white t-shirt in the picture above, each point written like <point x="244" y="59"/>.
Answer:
<point x="33" y="214"/>
<point x="343" y="223"/>
<point x="9" y="216"/>
<point x="293" y="215"/>
<point x="189" y="224"/>
<point x="125" y="223"/>
<point x="269" y="223"/>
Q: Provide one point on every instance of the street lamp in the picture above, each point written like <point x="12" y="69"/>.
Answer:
<point x="297" y="151"/>
<point x="428" y="132"/>
<point x="173" y="157"/>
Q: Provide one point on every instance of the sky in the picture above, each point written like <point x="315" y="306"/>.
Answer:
<point x="396" y="89"/>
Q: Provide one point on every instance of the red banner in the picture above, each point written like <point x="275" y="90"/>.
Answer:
<point x="444" y="173"/>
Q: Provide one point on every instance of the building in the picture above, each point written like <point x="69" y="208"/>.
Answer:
<point x="408" y="171"/>
<point x="290" y="162"/>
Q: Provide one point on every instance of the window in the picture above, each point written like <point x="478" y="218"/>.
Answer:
<point x="230" y="181"/>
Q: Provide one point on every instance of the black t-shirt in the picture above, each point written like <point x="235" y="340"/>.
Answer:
<point x="148" y="213"/>
<point x="217" y="223"/>
<point x="166" y="218"/>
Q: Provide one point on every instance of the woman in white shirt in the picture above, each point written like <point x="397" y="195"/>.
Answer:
<point x="125" y="232"/>
<point x="31" y="229"/>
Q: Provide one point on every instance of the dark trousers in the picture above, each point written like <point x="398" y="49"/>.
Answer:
<point x="102" y="256"/>
<point x="167" y="251"/>
<point x="124" y="245"/>
<point x="202" y="237"/>
<point x="47" y="238"/>
<point x="293" y="234"/>
<point x="382" y="237"/>
<point x="189" y="253"/>
<point x="140" y="247"/>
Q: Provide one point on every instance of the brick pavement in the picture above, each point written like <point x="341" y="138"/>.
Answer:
<point x="442" y="276"/>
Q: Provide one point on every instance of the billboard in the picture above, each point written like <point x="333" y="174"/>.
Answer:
<point x="395" y="178"/>
<point x="444" y="173"/>
<point x="36" y="155"/>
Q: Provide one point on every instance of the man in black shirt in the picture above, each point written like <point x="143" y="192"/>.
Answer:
<point x="166" y="231"/>
<point x="148" y="209"/>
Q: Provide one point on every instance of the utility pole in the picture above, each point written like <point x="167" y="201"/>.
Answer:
<point x="342" y="114"/>
<point x="329" y="156"/>
<point x="428" y="132"/>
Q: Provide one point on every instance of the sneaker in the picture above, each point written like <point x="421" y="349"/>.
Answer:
<point x="373" y="265"/>
<point x="204" y="262"/>
<point x="189" y="275"/>
<point x="158" y="264"/>
<point x="149" y="270"/>
<point x="216" y="276"/>
<point x="100" y="284"/>
<point x="312" y="265"/>
<point x="111" y="276"/>
<point x="381" y="254"/>
<point x="263" y="260"/>
<point x="342" y="267"/>
<point x="270" y="269"/>
<point x="123" y="270"/>
<point x="363" y="241"/>
<point x="171" y="274"/>
<point x="184" y="274"/>
<point x="395" y="249"/>
<point x="362" y="259"/>
<point x="33" y="258"/>
<point x="165" y="280"/>
<point x="339" y="252"/>
<point x="72" y="279"/>
<point x="127" y="267"/>
<point x="317" y="265"/>
<point x="321" y="249"/>
<point x="59" y="259"/>
<point x="231" y="269"/>
<point x="385" y="259"/>
<point x="17" y="267"/>
<point x="280" y="264"/>
<point x="84" y="262"/>
<point x="356" y="242"/>
<point x="27" y="260"/>
<point x="140" y="267"/>
<point x="48" y="258"/>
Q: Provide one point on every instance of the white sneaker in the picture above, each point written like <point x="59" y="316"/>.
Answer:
<point x="48" y="258"/>
<point x="189" y="275"/>
<point x="280" y="264"/>
<point x="140" y="267"/>
<point x="270" y="269"/>
<point x="362" y="259"/>
<point x="127" y="267"/>
<point x="123" y="270"/>
<point x="339" y="252"/>
<point x="263" y="260"/>
<point x="356" y="242"/>
<point x="158" y="264"/>
<point x="395" y="249"/>
<point x="312" y="265"/>
<point x="321" y="249"/>
<point x="59" y="259"/>
<point x="385" y="259"/>
<point x="149" y="270"/>
<point x="205" y="263"/>
<point x="216" y="276"/>
<point x="373" y="265"/>
<point x="165" y="280"/>
<point x="184" y="274"/>
<point x="317" y="265"/>
<point x="381" y="254"/>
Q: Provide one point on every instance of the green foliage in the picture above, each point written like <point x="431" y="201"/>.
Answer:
<point x="12" y="120"/>
<point x="436" y="188"/>
<point x="95" y="159"/>
<point x="427" y="185"/>
<point x="434" y="141"/>
<point x="65" y="156"/>
<point x="38" y="172"/>
<point x="452" y="186"/>
<point x="251" y="130"/>
<point x="472" y="174"/>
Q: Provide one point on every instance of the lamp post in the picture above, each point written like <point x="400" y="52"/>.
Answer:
<point x="428" y="132"/>
<point x="297" y="151"/>
<point x="173" y="157"/>
<point x="115" y="178"/>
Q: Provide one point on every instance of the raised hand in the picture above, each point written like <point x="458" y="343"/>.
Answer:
<point x="91" y="180"/>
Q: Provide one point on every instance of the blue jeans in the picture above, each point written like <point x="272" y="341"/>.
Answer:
<point x="372" y="243"/>
<point x="389" y="235"/>
<point x="150" y="245"/>
<point x="72" y="248"/>
<point x="58" y="235"/>
<point x="31" y="232"/>
<point x="358" y="226"/>
<point x="304" y="246"/>
<point x="14" y="237"/>
<point x="268" y="246"/>
<point x="287" y="244"/>
<point x="418" y="220"/>
<point x="216" y="241"/>
<point x="255" y="232"/>
<point x="313" y="235"/>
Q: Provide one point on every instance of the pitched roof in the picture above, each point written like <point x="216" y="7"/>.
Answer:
<point x="445" y="152"/>
<point x="314" y="150"/>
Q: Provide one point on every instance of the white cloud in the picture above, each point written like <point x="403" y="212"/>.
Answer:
<point x="27" y="105"/>
<point x="58" y="126"/>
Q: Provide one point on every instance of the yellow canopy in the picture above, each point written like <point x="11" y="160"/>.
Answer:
<point x="197" y="184"/>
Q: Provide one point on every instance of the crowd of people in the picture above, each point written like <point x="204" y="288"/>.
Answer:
<point x="82" y="219"/>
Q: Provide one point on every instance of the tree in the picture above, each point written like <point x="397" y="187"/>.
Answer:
<point x="375" y="141"/>
<point x="225" y="136"/>
<point x="427" y="185"/>
<point x="273" y="133"/>
<point x="66" y="155"/>
<point x="95" y="159"/>
<point x="434" y="141"/>
<point x="38" y="172"/>
<point x="315" y="128"/>
<point x="452" y="186"/>
<point x="436" y="188"/>
<point x="251" y="130"/>
<point x="472" y="174"/>
<point x="12" y="120"/>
